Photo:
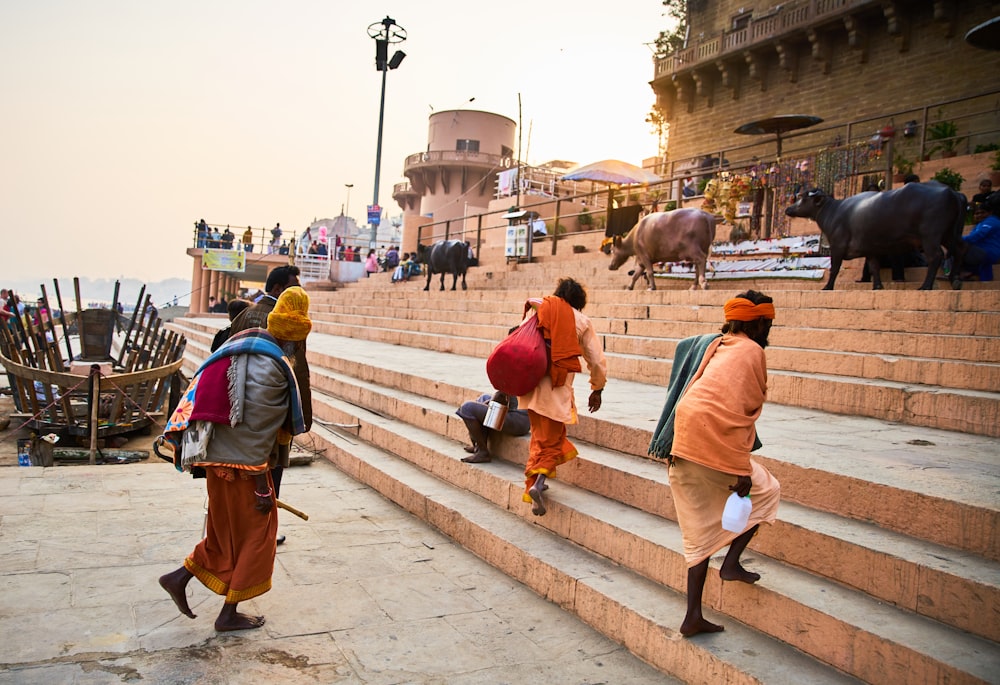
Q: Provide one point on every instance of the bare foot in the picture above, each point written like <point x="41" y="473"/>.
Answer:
<point x="694" y="626"/>
<point x="537" y="501"/>
<point x="175" y="584"/>
<point x="470" y="448"/>
<point x="238" y="622"/>
<point x="480" y="456"/>
<point x="739" y="573"/>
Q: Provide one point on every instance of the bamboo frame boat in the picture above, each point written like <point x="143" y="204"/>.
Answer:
<point x="99" y="392"/>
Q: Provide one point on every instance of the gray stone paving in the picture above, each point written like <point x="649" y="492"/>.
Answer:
<point x="363" y="593"/>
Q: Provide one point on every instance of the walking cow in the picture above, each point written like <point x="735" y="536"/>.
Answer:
<point x="683" y="235"/>
<point x="916" y="215"/>
<point x="445" y="256"/>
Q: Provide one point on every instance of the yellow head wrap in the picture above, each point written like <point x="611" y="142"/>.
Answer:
<point x="742" y="309"/>
<point x="289" y="320"/>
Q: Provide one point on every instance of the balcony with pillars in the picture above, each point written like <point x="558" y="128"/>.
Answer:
<point x="774" y="28"/>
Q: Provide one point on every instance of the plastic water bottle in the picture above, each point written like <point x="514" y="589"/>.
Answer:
<point x="736" y="514"/>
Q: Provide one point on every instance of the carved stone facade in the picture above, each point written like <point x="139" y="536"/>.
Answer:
<point x="842" y="60"/>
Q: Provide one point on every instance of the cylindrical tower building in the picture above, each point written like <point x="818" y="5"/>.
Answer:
<point x="457" y="174"/>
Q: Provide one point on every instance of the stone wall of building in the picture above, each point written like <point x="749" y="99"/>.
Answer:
<point x="879" y="75"/>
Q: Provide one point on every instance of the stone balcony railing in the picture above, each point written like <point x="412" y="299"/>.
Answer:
<point x="456" y="157"/>
<point x="761" y="30"/>
<point x="403" y="188"/>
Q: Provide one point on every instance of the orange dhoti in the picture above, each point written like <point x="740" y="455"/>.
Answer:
<point x="548" y="449"/>
<point x="236" y="558"/>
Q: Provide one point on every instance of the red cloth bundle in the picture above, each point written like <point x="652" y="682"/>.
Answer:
<point x="518" y="362"/>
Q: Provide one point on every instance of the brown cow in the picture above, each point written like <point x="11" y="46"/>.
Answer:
<point x="683" y="235"/>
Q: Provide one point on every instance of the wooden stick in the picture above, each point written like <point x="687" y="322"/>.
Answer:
<point x="17" y="384"/>
<point x="79" y="306"/>
<point x="62" y="320"/>
<point x="291" y="509"/>
<point x="51" y="327"/>
<point x="12" y="306"/>
<point x="131" y="324"/>
<point x="95" y="401"/>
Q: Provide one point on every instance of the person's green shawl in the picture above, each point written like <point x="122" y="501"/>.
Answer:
<point x="687" y="359"/>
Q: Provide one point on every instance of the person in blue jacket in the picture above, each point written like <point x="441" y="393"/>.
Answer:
<point x="982" y="245"/>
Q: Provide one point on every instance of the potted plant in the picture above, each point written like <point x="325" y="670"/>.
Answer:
<point x="950" y="178"/>
<point x="945" y="132"/>
<point x="903" y="167"/>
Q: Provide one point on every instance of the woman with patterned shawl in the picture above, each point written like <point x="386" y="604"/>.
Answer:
<point x="242" y="400"/>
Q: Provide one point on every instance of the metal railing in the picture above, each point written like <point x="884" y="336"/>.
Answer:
<point x="977" y="119"/>
<point x="313" y="267"/>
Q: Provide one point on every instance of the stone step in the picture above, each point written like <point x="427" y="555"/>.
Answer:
<point x="911" y="646"/>
<point x="636" y="612"/>
<point x="658" y="319"/>
<point x="854" y="467"/>
<point x="375" y="365"/>
<point x="918" y="405"/>
<point x="816" y="351"/>
<point x="943" y="336"/>
<point x="896" y="325"/>
<point x="920" y="378"/>
<point x="889" y="301"/>
<point x="926" y="574"/>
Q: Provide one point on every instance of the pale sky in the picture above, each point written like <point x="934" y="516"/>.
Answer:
<point x="125" y="121"/>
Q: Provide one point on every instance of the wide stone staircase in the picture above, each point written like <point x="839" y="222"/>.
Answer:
<point x="882" y="426"/>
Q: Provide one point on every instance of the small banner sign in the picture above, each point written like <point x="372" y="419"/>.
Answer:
<point x="224" y="260"/>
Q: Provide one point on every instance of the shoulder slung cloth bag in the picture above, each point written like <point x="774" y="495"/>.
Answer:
<point x="519" y="361"/>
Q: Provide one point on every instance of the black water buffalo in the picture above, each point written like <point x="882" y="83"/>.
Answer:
<point x="445" y="256"/>
<point x="925" y="216"/>
<point x="683" y="235"/>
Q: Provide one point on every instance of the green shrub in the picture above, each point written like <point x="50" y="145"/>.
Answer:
<point x="950" y="178"/>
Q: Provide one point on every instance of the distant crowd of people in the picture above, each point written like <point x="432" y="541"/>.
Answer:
<point x="336" y="247"/>
<point x="12" y="308"/>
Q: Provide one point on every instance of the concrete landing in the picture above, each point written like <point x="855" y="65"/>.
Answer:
<point x="363" y="593"/>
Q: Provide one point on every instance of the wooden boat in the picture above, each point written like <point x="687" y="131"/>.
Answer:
<point x="119" y="381"/>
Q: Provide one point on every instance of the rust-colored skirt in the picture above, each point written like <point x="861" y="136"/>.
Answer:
<point x="236" y="558"/>
<point x="700" y="495"/>
<point x="549" y="447"/>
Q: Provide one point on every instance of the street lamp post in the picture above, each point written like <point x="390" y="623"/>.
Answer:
<point x="383" y="32"/>
<point x="347" y="205"/>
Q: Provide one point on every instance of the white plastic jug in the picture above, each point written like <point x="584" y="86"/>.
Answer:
<point x="737" y="513"/>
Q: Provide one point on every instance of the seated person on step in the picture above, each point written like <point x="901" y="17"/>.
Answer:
<point x="473" y="413"/>
<point x="982" y="245"/>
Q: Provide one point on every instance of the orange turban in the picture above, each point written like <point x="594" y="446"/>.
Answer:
<point x="742" y="309"/>
<point x="289" y="320"/>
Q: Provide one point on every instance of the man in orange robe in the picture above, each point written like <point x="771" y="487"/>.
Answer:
<point x="552" y="405"/>
<point x="718" y="387"/>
